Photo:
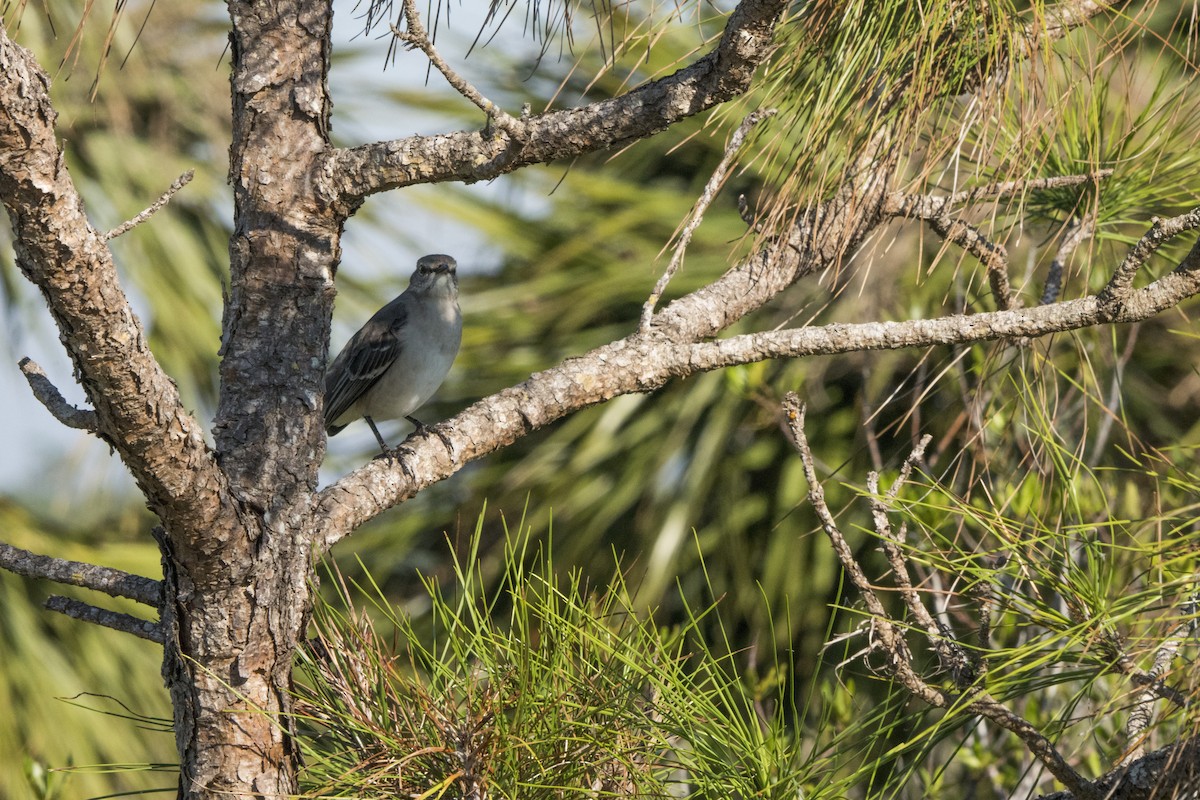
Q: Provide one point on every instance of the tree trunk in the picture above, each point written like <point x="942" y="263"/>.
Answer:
<point x="237" y="597"/>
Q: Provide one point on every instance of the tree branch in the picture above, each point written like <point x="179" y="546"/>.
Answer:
<point x="1172" y="771"/>
<point x="1077" y="231"/>
<point x="1119" y="286"/>
<point x="142" y="628"/>
<point x="993" y="256"/>
<point x="112" y="582"/>
<point x="644" y="363"/>
<point x="952" y="655"/>
<point x="928" y="206"/>
<point x="348" y="176"/>
<point x="1153" y="683"/>
<point x="137" y="406"/>
<point x="48" y="395"/>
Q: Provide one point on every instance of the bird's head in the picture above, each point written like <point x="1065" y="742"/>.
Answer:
<point x="435" y="273"/>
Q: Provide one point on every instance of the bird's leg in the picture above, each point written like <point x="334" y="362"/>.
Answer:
<point x="382" y="444"/>
<point x="421" y="427"/>
<point x="391" y="455"/>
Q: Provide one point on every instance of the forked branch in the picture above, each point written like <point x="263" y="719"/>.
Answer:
<point x="888" y="636"/>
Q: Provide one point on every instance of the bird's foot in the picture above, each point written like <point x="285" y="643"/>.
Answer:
<point x="422" y="429"/>
<point x="397" y="456"/>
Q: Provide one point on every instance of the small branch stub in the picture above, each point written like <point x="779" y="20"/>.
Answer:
<point x="141" y="628"/>
<point x="48" y="395"/>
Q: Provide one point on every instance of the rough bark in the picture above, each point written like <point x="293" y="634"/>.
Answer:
<point x="1171" y="772"/>
<point x="240" y="603"/>
<point x="243" y="520"/>
<point x="239" y="529"/>
<point x="137" y="407"/>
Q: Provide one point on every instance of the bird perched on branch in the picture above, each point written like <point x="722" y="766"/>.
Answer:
<point x="395" y="363"/>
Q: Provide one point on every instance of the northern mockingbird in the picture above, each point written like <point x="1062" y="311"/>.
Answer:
<point x="401" y="356"/>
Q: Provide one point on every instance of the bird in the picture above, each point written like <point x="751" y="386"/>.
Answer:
<point x="400" y="357"/>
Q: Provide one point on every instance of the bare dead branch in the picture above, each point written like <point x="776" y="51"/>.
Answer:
<point x="417" y="37"/>
<point x="793" y="411"/>
<point x="1142" y="713"/>
<point x="350" y="175"/>
<point x="953" y="657"/>
<point x="1154" y="686"/>
<point x="126" y="623"/>
<point x="715" y="182"/>
<point x="993" y="256"/>
<point x="112" y="582"/>
<point x="47" y="393"/>
<point x="920" y="206"/>
<point x="164" y="198"/>
<point x="891" y="639"/>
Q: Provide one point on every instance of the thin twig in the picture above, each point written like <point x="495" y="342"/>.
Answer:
<point x="47" y="393"/>
<point x="112" y="582"/>
<point x="142" y="628"/>
<point x="953" y="657"/>
<point x="1153" y="689"/>
<point x="125" y="227"/>
<point x="417" y="37"/>
<point x="715" y="182"/>
<point x="1077" y="231"/>
<point x="993" y="256"/>
<point x="890" y="638"/>
<point x="927" y="206"/>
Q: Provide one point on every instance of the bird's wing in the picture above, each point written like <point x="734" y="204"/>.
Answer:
<point x="364" y="359"/>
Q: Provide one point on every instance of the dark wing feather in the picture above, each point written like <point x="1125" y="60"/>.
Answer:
<point x="363" y="361"/>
